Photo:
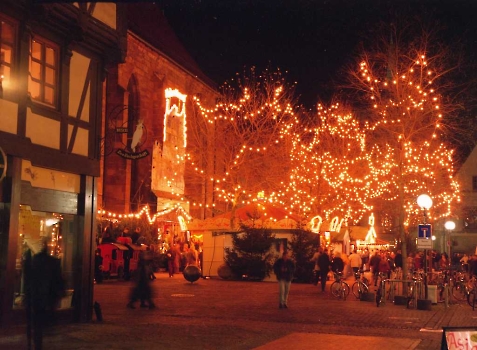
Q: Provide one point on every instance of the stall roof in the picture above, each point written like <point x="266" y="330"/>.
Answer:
<point x="137" y="247"/>
<point x="120" y="246"/>
<point x="261" y="211"/>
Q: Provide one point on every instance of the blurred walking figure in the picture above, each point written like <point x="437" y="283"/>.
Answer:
<point x="170" y="254"/>
<point x="324" y="263"/>
<point x="44" y="288"/>
<point x="316" y="268"/>
<point x="143" y="291"/>
<point x="355" y="262"/>
<point x="284" y="269"/>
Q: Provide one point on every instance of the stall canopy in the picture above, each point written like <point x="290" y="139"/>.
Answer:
<point x="255" y="213"/>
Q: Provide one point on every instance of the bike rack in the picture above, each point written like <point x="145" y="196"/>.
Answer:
<point x="396" y="284"/>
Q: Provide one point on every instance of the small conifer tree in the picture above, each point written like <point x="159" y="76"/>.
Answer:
<point x="251" y="255"/>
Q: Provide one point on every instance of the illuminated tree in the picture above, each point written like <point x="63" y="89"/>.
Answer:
<point x="252" y="122"/>
<point x="330" y="173"/>
<point x="407" y="100"/>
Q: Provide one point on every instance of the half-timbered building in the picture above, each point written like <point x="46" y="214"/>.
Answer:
<point x="53" y="62"/>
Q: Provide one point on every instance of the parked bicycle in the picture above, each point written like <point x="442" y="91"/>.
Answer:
<point x="472" y="292"/>
<point x="460" y="286"/>
<point x="339" y="288"/>
<point x="360" y="286"/>
<point x="414" y="290"/>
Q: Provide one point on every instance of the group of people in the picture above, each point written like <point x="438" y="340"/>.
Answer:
<point x="178" y="260"/>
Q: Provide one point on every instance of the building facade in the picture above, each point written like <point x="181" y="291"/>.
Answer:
<point x="53" y="63"/>
<point x="463" y="239"/>
<point x="152" y="125"/>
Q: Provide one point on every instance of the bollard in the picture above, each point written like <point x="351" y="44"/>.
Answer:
<point x="97" y="311"/>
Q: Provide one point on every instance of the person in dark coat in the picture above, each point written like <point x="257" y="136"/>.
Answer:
<point x="324" y="264"/>
<point x="337" y="265"/>
<point x="143" y="290"/>
<point x="44" y="288"/>
<point x="284" y="269"/>
<point x="98" y="266"/>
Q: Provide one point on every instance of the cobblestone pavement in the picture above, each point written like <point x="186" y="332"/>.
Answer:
<point x="219" y="314"/>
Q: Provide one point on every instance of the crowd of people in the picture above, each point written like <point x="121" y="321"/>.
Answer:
<point x="381" y="261"/>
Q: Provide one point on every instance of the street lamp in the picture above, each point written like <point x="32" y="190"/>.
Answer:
<point x="425" y="203"/>
<point x="449" y="225"/>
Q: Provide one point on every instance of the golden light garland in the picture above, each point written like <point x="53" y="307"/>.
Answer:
<point x="145" y="211"/>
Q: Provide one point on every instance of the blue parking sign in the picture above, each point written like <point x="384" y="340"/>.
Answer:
<point x="425" y="231"/>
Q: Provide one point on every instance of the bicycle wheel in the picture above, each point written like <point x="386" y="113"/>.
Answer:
<point x="459" y="291"/>
<point x="345" y="290"/>
<point x="359" y="288"/>
<point x="335" y="289"/>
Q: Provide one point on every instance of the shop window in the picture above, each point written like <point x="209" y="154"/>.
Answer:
<point x="42" y="82"/>
<point x="58" y="231"/>
<point x="7" y="44"/>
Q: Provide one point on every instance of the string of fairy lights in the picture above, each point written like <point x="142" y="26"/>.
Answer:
<point x="336" y="170"/>
<point x="145" y="211"/>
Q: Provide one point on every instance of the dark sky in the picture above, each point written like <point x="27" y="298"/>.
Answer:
<point x="309" y="39"/>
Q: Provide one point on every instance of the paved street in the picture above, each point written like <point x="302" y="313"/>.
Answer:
<point x="218" y="314"/>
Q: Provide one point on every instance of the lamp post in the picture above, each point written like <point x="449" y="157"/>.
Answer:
<point x="425" y="203"/>
<point x="449" y="225"/>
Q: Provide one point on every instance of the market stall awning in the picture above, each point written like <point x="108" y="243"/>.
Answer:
<point x="256" y="213"/>
<point x="260" y="211"/>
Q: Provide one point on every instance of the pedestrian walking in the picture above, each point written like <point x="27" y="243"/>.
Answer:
<point x="374" y="263"/>
<point x="170" y="255"/>
<point x="337" y="264"/>
<point x="316" y="268"/>
<point x="143" y="291"/>
<point x="365" y="259"/>
<point x="98" y="266"/>
<point x="355" y="262"/>
<point x="44" y="288"/>
<point x="284" y="269"/>
<point x="324" y="264"/>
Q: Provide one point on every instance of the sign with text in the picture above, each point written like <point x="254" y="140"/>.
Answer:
<point x="424" y="236"/>
<point x="424" y="243"/>
<point x="454" y="338"/>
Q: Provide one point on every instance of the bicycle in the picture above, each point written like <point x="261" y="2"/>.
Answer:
<point x="339" y="288"/>
<point x="414" y="289"/>
<point x="472" y="294"/>
<point x="360" y="286"/>
<point x="443" y="283"/>
<point x="459" y="285"/>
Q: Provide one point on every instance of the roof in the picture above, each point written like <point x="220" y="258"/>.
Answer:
<point x="148" y="21"/>
<point x="261" y="211"/>
<point x="137" y="247"/>
<point x="119" y="246"/>
<point x="358" y="232"/>
<point x="337" y="236"/>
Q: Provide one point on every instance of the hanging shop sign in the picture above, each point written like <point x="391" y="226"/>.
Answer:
<point x="132" y="133"/>
<point x="3" y="164"/>
<point x="132" y="149"/>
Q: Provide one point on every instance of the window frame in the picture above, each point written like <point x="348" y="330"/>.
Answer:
<point x="13" y="46"/>
<point x="43" y="84"/>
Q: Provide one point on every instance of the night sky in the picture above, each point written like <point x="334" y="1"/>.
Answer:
<point x="310" y="39"/>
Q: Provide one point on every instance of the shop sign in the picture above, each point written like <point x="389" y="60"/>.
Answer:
<point x="3" y="164"/>
<point x="131" y="133"/>
<point x="455" y="338"/>
<point x="132" y="156"/>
